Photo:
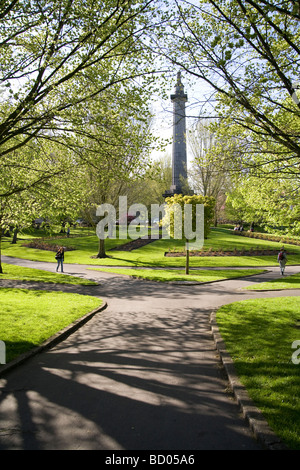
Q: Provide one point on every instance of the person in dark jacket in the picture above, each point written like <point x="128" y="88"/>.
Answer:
<point x="282" y="259"/>
<point x="60" y="257"/>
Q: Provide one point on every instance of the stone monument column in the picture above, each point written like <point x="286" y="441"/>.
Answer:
<point x="179" y="159"/>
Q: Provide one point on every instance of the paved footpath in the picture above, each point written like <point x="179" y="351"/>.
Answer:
<point x="144" y="374"/>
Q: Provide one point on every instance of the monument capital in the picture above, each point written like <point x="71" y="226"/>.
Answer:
<point x="179" y="90"/>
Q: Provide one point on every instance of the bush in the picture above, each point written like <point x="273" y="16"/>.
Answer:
<point x="209" y="209"/>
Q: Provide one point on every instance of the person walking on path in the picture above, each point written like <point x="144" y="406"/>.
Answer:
<point x="60" y="258"/>
<point x="282" y="259"/>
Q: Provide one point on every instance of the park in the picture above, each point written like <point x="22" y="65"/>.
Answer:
<point x="170" y="323"/>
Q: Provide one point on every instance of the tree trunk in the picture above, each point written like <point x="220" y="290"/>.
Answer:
<point x="101" y="252"/>
<point x="216" y="217"/>
<point x="1" y="271"/>
<point x="15" y="235"/>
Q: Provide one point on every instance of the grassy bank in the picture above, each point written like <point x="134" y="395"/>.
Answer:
<point x="154" y="254"/>
<point x="259" y="335"/>
<point x="13" y="272"/>
<point x="288" y="282"/>
<point x="29" y="317"/>
<point x="174" y="275"/>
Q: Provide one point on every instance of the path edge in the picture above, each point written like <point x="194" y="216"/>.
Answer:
<point x="52" y="341"/>
<point x="253" y="415"/>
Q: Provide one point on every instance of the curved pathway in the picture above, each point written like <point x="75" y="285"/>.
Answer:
<point x="142" y="374"/>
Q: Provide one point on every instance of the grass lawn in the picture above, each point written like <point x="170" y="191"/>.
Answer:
<point x="288" y="282"/>
<point x="153" y="254"/>
<point x="165" y="275"/>
<point x="259" y="336"/>
<point x="29" y="317"/>
<point x="37" y="275"/>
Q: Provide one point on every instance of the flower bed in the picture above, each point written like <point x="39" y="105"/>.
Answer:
<point x="42" y="245"/>
<point x="211" y="252"/>
<point x="269" y="237"/>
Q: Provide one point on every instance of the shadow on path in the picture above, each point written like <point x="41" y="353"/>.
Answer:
<point x="143" y="374"/>
<point x="144" y="382"/>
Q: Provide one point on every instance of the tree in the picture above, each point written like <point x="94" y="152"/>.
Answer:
<point x="209" y="177"/>
<point x="150" y="187"/>
<point x="184" y="224"/>
<point x="272" y="205"/>
<point x="58" y="55"/>
<point x="248" y="53"/>
<point x="260" y="156"/>
<point x="54" y="199"/>
<point x="115" y="151"/>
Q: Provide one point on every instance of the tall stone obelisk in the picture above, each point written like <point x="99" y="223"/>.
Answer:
<point x="179" y="159"/>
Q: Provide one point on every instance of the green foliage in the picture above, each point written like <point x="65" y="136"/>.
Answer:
<point x="149" y="189"/>
<point x="66" y="53"/>
<point x="248" y="53"/>
<point x="79" y="125"/>
<point x="178" y="199"/>
<point x="269" y="203"/>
